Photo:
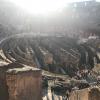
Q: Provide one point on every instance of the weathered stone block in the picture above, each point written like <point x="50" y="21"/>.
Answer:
<point x="24" y="84"/>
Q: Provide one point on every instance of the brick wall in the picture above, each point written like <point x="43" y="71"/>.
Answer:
<point x="79" y="95"/>
<point x="24" y="85"/>
<point x="20" y="83"/>
<point x="86" y="94"/>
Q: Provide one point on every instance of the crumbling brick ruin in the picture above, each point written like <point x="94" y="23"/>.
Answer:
<point x="69" y="68"/>
<point x="94" y="94"/>
<point x="50" y="57"/>
<point x="20" y="83"/>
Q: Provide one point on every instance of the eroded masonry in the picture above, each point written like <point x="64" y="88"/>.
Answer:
<point x="18" y="82"/>
<point x="49" y="68"/>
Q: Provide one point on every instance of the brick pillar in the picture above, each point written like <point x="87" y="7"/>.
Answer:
<point x="24" y="84"/>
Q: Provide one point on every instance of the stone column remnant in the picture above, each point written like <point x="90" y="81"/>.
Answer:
<point x="20" y="83"/>
<point x="24" y="83"/>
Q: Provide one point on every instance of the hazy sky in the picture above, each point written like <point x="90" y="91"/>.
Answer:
<point x="43" y="6"/>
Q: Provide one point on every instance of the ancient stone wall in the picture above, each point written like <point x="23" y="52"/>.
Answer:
<point x="79" y="95"/>
<point x="3" y="86"/>
<point x="94" y="94"/>
<point x="86" y="94"/>
<point x="24" y="85"/>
